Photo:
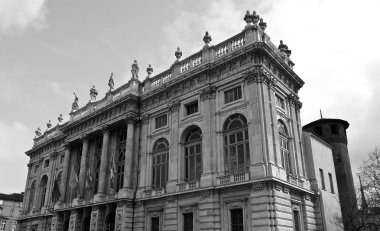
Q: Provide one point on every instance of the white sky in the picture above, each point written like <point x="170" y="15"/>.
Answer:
<point x="51" y="48"/>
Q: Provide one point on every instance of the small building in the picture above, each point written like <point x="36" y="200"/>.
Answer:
<point x="321" y="173"/>
<point x="10" y="207"/>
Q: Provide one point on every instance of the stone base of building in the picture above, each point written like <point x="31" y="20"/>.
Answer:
<point x="266" y="205"/>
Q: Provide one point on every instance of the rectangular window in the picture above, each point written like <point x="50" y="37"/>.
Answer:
<point x="155" y="224"/>
<point x="192" y="108"/>
<point x="188" y="222"/>
<point x="36" y="168"/>
<point x="161" y="121"/>
<point x="1" y="202"/>
<point x="280" y="102"/>
<point x="296" y="217"/>
<point x="232" y="95"/>
<point x="322" y="179"/>
<point x="237" y="223"/>
<point x="46" y="164"/>
<point x="61" y="159"/>
<point x="160" y="170"/>
<point x="331" y="183"/>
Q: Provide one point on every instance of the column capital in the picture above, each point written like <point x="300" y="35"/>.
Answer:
<point x="84" y="137"/>
<point x="174" y="105"/>
<point x="131" y="119"/>
<point x="105" y="129"/>
<point x="258" y="75"/>
<point x="294" y="101"/>
<point x="66" y="145"/>
<point x="145" y="118"/>
<point x="208" y="92"/>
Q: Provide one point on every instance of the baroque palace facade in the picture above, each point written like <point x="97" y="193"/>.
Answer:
<point x="212" y="143"/>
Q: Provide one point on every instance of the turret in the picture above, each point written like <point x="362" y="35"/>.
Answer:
<point x="334" y="132"/>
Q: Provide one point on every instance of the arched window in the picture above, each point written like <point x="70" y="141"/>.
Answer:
<point x="284" y="147"/>
<point x="43" y="185"/>
<point x="236" y="145"/>
<point x="193" y="155"/>
<point x="121" y="159"/>
<point x="160" y="163"/>
<point x="31" y="194"/>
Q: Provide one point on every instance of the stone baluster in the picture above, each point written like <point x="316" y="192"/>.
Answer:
<point x="103" y="162"/>
<point x="83" y="163"/>
<point x="66" y="163"/>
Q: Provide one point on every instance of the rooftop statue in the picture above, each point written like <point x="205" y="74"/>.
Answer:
<point x="93" y="93"/>
<point x="38" y="131"/>
<point x="111" y="83"/>
<point x="49" y="124"/>
<point x="135" y="70"/>
<point x="75" y="104"/>
<point x="60" y="119"/>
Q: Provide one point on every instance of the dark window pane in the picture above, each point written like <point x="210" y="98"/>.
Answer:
<point x="155" y="224"/>
<point x="237" y="220"/>
<point x="188" y="222"/>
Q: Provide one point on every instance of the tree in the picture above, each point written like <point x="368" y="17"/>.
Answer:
<point x="370" y="176"/>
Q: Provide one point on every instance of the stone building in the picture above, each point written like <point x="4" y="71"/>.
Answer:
<point x="10" y="208"/>
<point x="213" y="143"/>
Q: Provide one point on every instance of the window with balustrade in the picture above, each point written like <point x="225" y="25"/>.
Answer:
<point x="121" y="159"/>
<point x="43" y="187"/>
<point x="236" y="145"/>
<point x="32" y="194"/>
<point x="193" y="154"/>
<point x="284" y="147"/>
<point x="160" y="163"/>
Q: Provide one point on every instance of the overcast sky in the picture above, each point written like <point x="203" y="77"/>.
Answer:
<point x="51" y="48"/>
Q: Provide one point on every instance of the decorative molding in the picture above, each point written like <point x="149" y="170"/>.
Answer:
<point x="257" y="187"/>
<point x="258" y="75"/>
<point x="208" y="92"/>
<point x="205" y="193"/>
<point x="174" y="105"/>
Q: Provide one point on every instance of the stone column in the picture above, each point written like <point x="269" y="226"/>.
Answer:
<point x="208" y="95"/>
<point x="127" y="183"/>
<point x="27" y="191"/>
<point x="83" y="163"/>
<point x="103" y="162"/>
<point x="52" y="176"/>
<point x="174" y="107"/>
<point x="66" y="163"/>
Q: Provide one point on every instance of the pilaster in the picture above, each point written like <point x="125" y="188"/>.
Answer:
<point x="173" y="176"/>
<point x="143" y="154"/>
<point x="209" y="161"/>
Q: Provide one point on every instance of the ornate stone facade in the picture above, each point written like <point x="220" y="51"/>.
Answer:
<point x="194" y="147"/>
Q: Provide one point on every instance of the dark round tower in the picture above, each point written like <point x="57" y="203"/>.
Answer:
<point x="334" y="132"/>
